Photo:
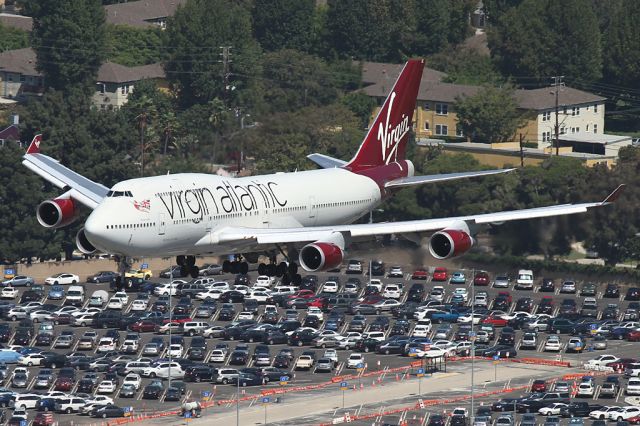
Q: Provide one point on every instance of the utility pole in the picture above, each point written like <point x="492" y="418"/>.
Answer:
<point x="226" y="62"/>
<point x="521" y="150"/>
<point x="557" y="83"/>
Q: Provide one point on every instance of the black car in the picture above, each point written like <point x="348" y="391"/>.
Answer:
<point x="505" y="404"/>
<point x="242" y="279"/>
<point x="86" y="385"/>
<point x="436" y="420"/>
<point x="275" y="337"/>
<point x="270" y="318"/>
<point x="377" y="268"/>
<point x="381" y="323"/>
<point x="394" y="345"/>
<point x="227" y="312"/>
<point x="239" y="357"/>
<point x="22" y="338"/>
<point x="30" y="296"/>
<point x="247" y="379"/>
<point x="612" y="291"/>
<point x="502" y="351"/>
<point x="102" y="277"/>
<point x="399" y="328"/>
<point x="633" y="293"/>
<point x="416" y="293"/>
<point x="309" y="282"/>
<point x="173" y="394"/>
<point x="231" y="296"/>
<point x="524" y="304"/>
<point x="366" y="345"/>
<point x="108" y="411"/>
<point x="44" y="339"/>
<point x="300" y="338"/>
<point x="196" y="354"/>
<point x="199" y="373"/>
<point x="560" y="325"/>
<point x="311" y="321"/>
<point x="545" y="306"/>
<point x="153" y="390"/>
<point x="282" y="361"/>
<point x="5" y="332"/>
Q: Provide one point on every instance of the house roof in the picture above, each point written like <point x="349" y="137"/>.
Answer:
<point x="141" y="13"/>
<point x="429" y="91"/>
<point x="111" y="72"/>
<point x="595" y="138"/>
<point x="544" y="98"/>
<point x="16" y="21"/>
<point x="20" y="61"/>
<point x="10" y="133"/>
<point x="381" y="73"/>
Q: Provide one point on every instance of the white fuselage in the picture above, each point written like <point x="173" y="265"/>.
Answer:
<point x="172" y="214"/>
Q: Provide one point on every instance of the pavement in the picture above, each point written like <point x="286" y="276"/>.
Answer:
<point x="324" y="406"/>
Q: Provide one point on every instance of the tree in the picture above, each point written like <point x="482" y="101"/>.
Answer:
<point x="621" y="44"/>
<point x="542" y="38"/>
<point x="196" y="68"/>
<point x="69" y="39"/>
<point x="132" y="46"/>
<point x="491" y="115"/>
<point x="361" y="105"/>
<point x="464" y="66"/>
<point x="284" y="24"/>
<point x="12" y="38"/>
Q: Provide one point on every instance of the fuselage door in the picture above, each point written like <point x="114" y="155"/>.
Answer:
<point x="312" y="211"/>
<point x="162" y="225"/>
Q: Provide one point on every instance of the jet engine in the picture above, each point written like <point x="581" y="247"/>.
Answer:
<point x="450" y="243"/>
<point x="320" y="256"/>
<point x="58" y="212"/>
<point x="83" y="244"/>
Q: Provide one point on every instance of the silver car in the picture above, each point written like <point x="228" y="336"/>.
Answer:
<point x="19" y="281"/>
<point x="501" y="281"/>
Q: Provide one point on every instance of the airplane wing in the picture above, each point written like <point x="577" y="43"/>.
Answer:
<point x="419" y="180"/>
<point x="315" y="233"/>
<point x="325" y="161"/>
<point x="82" y="189"/>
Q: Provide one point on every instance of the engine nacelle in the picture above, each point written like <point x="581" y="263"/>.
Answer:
<point x="57" y="213"/>
<point x="450" y="243"/>
<point x="320" y="256"/>
<point x="83" y="244"/>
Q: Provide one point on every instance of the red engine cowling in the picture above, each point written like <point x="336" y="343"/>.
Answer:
<point x="57" y="213"/>
<point x="320" y="256"/>
<point x="449" y="243"/>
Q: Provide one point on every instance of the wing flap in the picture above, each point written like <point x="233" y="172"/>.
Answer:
<point x="325" y="161"/>
<point x="419" y="180"/>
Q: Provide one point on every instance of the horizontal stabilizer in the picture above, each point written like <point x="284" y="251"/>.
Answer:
<point x="325" y="161"/>
<point x="419" y="180"/>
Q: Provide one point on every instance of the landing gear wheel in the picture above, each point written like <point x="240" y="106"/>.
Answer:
<point x="244" y="268"/>
<point x="226" y="266"/>
<point x="195" y="271"/>
<point x="271" y="270"/>
<point x="296" y="279"/>
<point x="286" y="279"/>
<point x="292" y="268"/>
<point x="190" y="260"/>
<point x="281" y="269"/>
<point x="180" y="260"/>
<point x="184" y="270"/>
<point x="262" y="269"/>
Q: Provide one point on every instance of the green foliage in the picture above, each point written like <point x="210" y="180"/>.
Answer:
<point x="195" y="34"/>
<point x="489" y="116"/>
<point x="131" y="46"/>
<point x="621" y="44"/>
<point x="331" y="130"/>
<point x="541" y="38"/>
<point x="21" y="192"/>
<point x="69" y="39"/>
<point x="465" y="66"/>
<point x="361" y="105"/>
<point x="12" y="38"/>
<point x="284" y="24"/>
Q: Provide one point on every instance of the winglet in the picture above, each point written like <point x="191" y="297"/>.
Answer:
<point x="34" y="146"/>
<point x="611" y="198"/>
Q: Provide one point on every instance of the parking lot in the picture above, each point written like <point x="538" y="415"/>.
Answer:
<point x="443" y="333"/>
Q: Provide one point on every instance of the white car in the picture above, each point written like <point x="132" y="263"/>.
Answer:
<point x="432" y="352"/>
<point x="170" y="289"/>
<point x="392" y="291"/>
<point x="437" y="293"/>
<point x="106" y="344"/>
<point x="481" y="300"/>
<point x="213" y="331"/>
<point x="212" y="293"/>
<point x="466" y="318"/>
<point x="115" y="303"/>
<point x="139" y="305"/>
<point x="122" y="296"/>
<point x="85" y="311"/>
<point x="395" y="272"/>
<point x="553" y="344"/>
<point x="82" y="320"/>
<point x="40" y="315"/>
<point x="242" y="289"/>
<point x="601" y="414"/>
<point x="260" y="296"/>
<point x="245" y="315"/>
<point x="633" y="386"/>
<point x="100" y="400"/>
<point x="624" y="414"/>
<point x="175" y="351"/>
<point x="351" y="288"/>
<point x="421" y="330"/>
<point x="25" y="401"/>
<point x="349" y="342"/>
<point x="460" y="291"/>
<point x="133" y="379"/>
<point x="106" y="386"/>
<point x="9" y="293"/>
<point x="330" y="287"/>
<point x="586" y="389"/>
<point x="600" y="361"/>
<point x="264" y="281"/>
<point x="354" y="360"/>
<point x="31" y="359"/>
<point x="218" y="355"/>
<point x="553" y="409"/>
<point x="62" y="278"/>
<point x="314" y="311"/>
<point x="174" y="326"/>
<point x="162" y="370"/>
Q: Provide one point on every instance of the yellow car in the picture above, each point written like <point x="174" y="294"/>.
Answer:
<point x="139" y="273"/>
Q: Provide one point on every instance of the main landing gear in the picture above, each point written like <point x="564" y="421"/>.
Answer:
<point x="238" y="266"/>
<point x="188" y="266"/>
<point x="287" y="272"/>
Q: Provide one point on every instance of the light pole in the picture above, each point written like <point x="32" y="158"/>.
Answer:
<point x="473" y="341"/>
<point x="170" y="317"/>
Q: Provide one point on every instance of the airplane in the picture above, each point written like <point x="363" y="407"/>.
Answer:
<point x="305" y="214"/>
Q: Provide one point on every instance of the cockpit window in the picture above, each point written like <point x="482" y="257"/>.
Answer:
<point x="119" y="194"/>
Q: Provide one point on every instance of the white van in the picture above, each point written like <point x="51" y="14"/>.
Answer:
<point x="75" y="295"/>
<point x="525" y="279"/>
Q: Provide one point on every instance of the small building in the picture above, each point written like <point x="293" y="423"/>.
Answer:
<point x="19" y="78"/>
<point x="116" y="82"/>
<point x="142" y="13"/>
<point x="20" y="22"/>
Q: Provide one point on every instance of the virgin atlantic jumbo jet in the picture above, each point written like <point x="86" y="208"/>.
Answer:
<point x="307" y="214"/>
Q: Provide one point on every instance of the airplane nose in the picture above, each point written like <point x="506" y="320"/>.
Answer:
<point x="96" y="230"/>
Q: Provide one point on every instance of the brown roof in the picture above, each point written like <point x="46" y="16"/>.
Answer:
<point x="429" y="91"/>
<point x="141" y="13"/>
<point x="21" y="61"/>
<point x="115" y="73"/>
<point x="16" y="21"/>
<point x="544" y="98"/>
<point x="378" y="72"/>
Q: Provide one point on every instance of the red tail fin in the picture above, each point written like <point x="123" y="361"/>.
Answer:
<point x="34" y="146"/>
<point x="387" y="138"/>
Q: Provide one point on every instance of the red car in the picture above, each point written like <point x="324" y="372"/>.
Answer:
<point x="144" y="326"/>
<point x="303" y="294"/>
<point x="634" y="335"/>
<point x="496" y="321"/>
<point x="539" y="386"/>
<point x="440" y="274"/>
<point x="420" y="274"/>
<point x="481" y="278"/>
<point x="318" y="302"/>
<point x="622" y="364"/>
<point x="506" y="295"/>
<point x="372" y="299"/>
<point x="634" y="420"/>
<point x="63" y="384"/>
<point x="177" y="318"/>
<point x="61" y="318"/>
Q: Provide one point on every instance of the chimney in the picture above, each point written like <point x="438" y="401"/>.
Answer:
<point x="15" y="119"/>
